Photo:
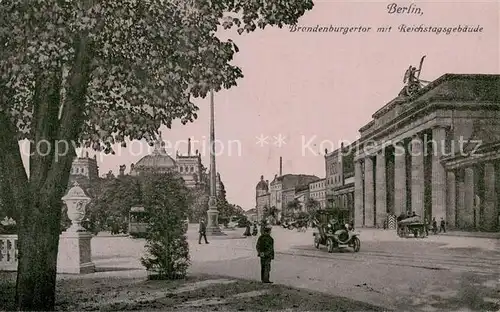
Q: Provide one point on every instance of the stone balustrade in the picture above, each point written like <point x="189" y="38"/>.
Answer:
<point x="8" y="252"/>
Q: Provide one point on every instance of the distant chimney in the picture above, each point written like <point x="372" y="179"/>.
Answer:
<point x="281" y="166"/>
<point x="189" y="147"/>
<point x="326" y="151"/>
<point x="196" y="152"/>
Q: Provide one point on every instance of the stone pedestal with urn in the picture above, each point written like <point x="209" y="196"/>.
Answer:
<point x="75" y="255"/>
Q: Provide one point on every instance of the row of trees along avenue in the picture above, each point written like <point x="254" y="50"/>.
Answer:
<point x="100" y="73"/>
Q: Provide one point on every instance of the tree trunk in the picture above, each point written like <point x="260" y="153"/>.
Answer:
<point x="36" y="273"/>
<point x="39" y="225"/>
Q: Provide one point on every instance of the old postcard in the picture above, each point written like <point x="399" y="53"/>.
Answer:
<point x="272" y="155"/>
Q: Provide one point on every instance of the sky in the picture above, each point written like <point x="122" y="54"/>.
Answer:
<point x="317" y="89"/>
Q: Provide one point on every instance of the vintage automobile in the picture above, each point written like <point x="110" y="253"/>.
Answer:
<point x="333" y="234"/>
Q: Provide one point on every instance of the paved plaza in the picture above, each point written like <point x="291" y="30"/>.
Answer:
<point x="432" y="274"/>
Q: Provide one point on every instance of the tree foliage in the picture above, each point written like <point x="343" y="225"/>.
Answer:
<point x="95" y="73"/>
<point x="198" y="204"/>
<point x="292" y="206"/>
<point x="113" y="199"/>
<point x="166" y="202"/>
<point x="131" y="65"/>
<point x="312" y="205"/>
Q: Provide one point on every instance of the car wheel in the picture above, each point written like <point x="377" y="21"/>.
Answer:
<point x="329" y="245"/>
<point x="356" y="244"/>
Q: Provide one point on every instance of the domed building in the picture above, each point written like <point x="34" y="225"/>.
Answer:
<point x="158" y="161"/>
<point x="188" y="166"/>
<point x="262" y="197"/>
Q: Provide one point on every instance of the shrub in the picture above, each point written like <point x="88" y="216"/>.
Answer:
<point x="165" y="199"/>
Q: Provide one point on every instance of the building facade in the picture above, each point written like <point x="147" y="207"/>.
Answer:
<point x="339" y="168"/>
<point x="262" y="198"/>
<point x="189" y="166"/>
<point x="435" y="154"/>
<point x="282" y="189"/>
<point x="317" y="191"/>
<point x="85" y="167"/>
<point x="302" y="196"/>
<point x="85" y="171"/>
<point x="252" y="215"/>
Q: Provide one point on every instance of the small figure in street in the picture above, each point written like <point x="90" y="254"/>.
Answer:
<point x="442" y="226"/>
<point x="265" y="250"/>
<point x="434" y="226"/>
<point x="426" y="226"/>
<point x="255" y="231"/>
<point x="247" y="230"/>
<point x="203" y="232"/>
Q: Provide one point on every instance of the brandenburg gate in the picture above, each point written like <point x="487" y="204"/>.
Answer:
<point x="434" y="151"/>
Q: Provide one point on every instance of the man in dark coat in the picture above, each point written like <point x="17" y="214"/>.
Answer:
<point x="442" y="226"/>
<point x="203" y="231"/>
<point x="265" y="250"/>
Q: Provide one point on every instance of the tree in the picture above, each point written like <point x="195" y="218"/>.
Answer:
<point x="198" y="203"/>
<point x="96" y="73"/>
<point x="312" y="205"/>
<point x="113" y="199"/>
<point x="292" y="206"/>
<point x="166" y="202"/>
<point x="223" y="205"/>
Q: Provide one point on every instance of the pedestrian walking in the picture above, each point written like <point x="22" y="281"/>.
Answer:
<point x="426" y="227"/>
<point x="265" y="250"/>
<point x="255" y="231"/>
<point x="434" y="226"/>
<point x="442" y="226"/>
<point x="203" y="232"/>
<point x="247" y="230"/>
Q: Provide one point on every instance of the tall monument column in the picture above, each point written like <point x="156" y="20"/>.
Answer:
<point x="358" y="194"/>
<point x="212" y="213"/>
<point x="399" y="179"/>
<point x="369" y="193"/>
<point x="417" y="175"/>
<point x="467" y="217"/>
<point x="381" y="190"/>
<point x="460" y="211"/>
<point x="438" y="187"/>
<point x="451" y="199"/>
<point x="489" y="220"/>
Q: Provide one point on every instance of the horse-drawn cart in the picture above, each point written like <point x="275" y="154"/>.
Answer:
<point x="412" y="226"/>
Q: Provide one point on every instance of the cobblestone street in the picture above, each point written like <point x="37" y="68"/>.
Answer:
<point x="432" y="274"/>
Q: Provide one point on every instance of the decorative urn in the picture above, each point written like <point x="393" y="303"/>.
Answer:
<point x="76" y="200"/>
